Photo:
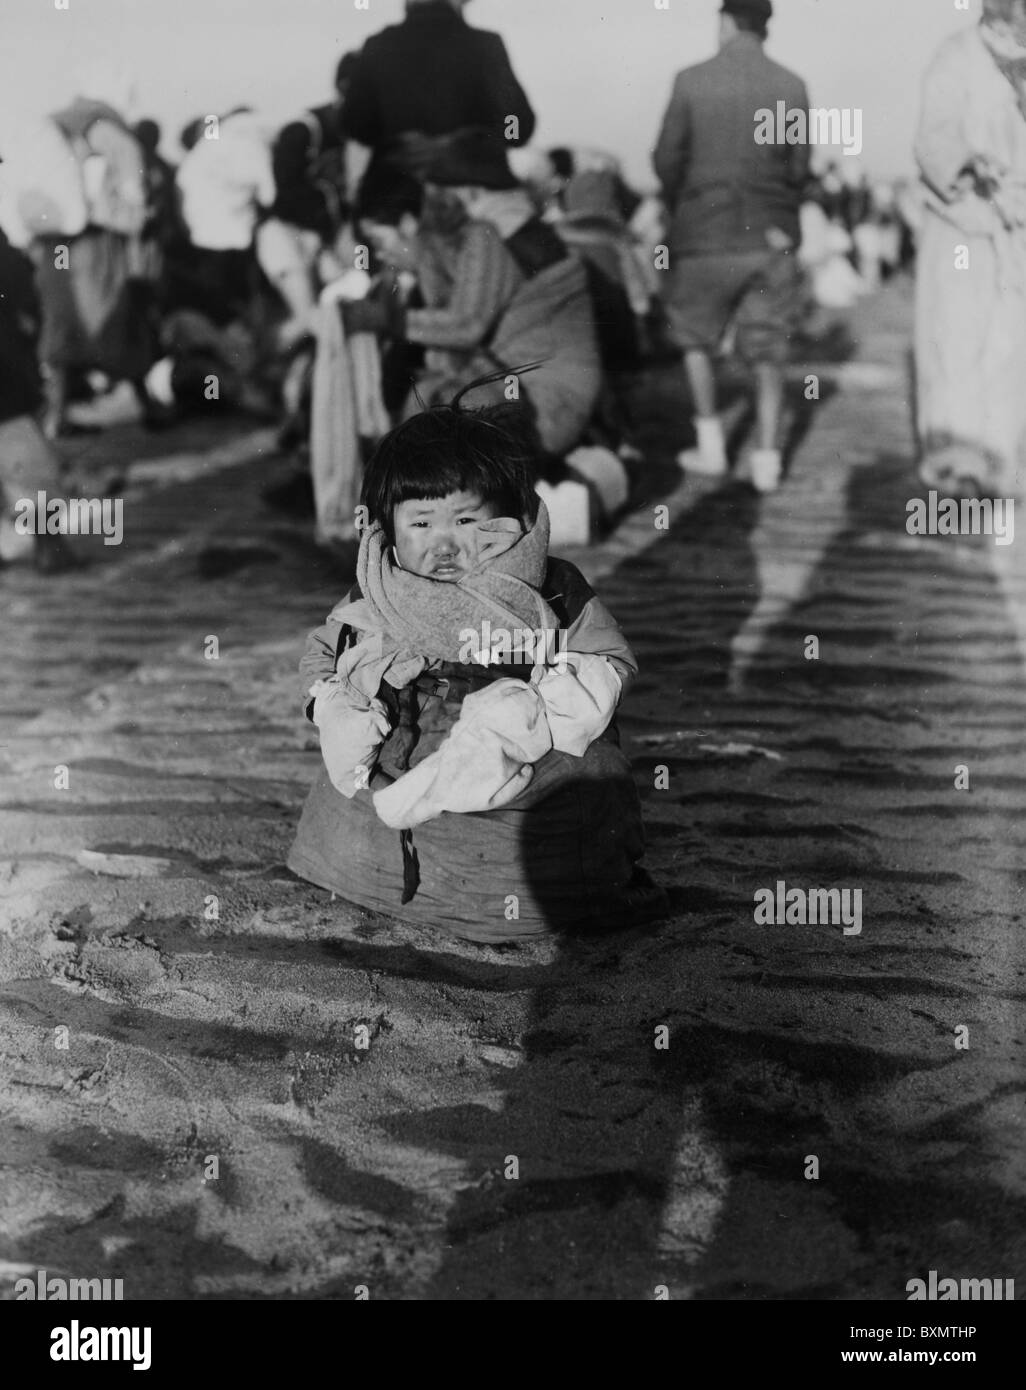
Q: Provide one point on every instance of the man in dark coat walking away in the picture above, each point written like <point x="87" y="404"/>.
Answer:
<point x="432" y="74"/>
<point x="735" y="234"/>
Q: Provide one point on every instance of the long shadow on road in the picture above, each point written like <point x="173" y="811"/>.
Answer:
<point x="588" y="1124"/>
<point x="811" y="1130"/>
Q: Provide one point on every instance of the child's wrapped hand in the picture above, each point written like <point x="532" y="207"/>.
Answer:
<point x="350" y="735"/>
<point x="579" y="700"/>
<point x="485" y="763"/>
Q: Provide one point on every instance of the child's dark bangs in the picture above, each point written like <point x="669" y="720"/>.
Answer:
<point x="445" y="450"/>
<point x="407" y="464"/>
<point x="431" y="471"/>
<point x="451" y="465"/>
<point x="498" y="460"/>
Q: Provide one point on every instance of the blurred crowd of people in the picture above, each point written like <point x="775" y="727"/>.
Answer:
<point x="270" y="273"/>
<point x="856" y="234"/>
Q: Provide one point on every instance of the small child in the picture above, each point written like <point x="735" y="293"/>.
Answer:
<point x="465" y="693"/>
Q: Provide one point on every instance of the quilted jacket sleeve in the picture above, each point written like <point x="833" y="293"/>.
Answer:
<point x="319" y="659"/>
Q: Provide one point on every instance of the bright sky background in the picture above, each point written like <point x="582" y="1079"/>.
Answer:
<point x="598" y="72"/>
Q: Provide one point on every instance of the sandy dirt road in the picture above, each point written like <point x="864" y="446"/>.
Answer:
<point x="215" y="1007"/>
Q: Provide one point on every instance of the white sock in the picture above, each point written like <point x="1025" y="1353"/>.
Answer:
<point x="765" y="467"/>
<point x="711" y="443"/>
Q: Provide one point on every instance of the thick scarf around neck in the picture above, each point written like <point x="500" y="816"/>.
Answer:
<point x="422" y="617"/>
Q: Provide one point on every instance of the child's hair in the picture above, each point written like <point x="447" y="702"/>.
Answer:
<point x="492" y="451"/>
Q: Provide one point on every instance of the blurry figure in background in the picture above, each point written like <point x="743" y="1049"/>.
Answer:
<point x="560" y="172"/>
<point x="163" y="232"/>
<point x="736" y="230"/>
<point x="199" y="351"/>
<point x="389" y="227"/>
<point x="971" y="318"/>
<point x="564" y="164"/>
<point x="825" y="253"/>
<point x="308" y="159"/>
<point x="613" y="231"/>
<point x="834" y="194"/>
<point x="593" y="225"/>
<point x="432" y="74"/>
<point x="888" y="223"/>
<point x="28" y="463"/>
<point x="500" y="289"/>
<point x="219" y="310"/>
<point x="594" y="228"/>
<point x="217" y="328"/>
<point x="348" y="415"/>
<point x="648" y="228"/>
<point x="908" y="204"/>
<point x="864" y="223"/>
<point x="532" y="168"/>
<point x="41" y="187"/>
<point x="591" y="161"/>
<point x="224" y="182"/>
<point x="96" y="310"/>
<point x="163" y="225"/>
<point x="298" y="245"/>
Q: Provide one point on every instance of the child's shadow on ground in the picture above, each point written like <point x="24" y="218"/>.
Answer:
<point x="637" y="1167"/>
<point x="588" y="1125"/>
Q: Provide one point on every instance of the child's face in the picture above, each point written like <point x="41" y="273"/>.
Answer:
<point x="437" y="537"/>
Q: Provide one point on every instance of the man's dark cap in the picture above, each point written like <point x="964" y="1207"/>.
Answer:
<point x="754" y="9"/>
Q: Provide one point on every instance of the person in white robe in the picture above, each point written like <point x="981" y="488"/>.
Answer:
<point x="971" y="276"/>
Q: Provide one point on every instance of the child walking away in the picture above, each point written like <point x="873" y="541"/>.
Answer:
<point x="465" y="693"/>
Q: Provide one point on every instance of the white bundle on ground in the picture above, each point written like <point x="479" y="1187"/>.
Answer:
<point x="597" y="492"/>
<point x="604" y="471"/>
